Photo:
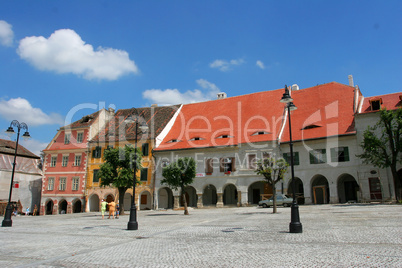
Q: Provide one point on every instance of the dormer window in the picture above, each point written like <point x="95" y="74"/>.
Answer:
<point x="261" y="132"/>
<point x="376" y="104"/>
<point x="196" y="139"/>
<point x="173" y="140"/>
<point x="224" y="136"/>
<point x="311" y="126"/>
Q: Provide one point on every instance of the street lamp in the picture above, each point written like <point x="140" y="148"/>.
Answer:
<point x="295" y="225"/>
<point x="132" y="223"/>
<point x="7" y="222"/>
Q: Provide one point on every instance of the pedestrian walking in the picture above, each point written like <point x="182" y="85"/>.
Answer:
<point x="27" y="211"/>
<point x="117" y="210"/>
<point x="103" y="208"/>
<point x="35" y="210"/>
<point x="112" y="206"/>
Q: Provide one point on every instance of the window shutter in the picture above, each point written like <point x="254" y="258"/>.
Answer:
<point x="346" y="152"/>
<point x="145" y="149"/>
<point x="296" y="158"/>
<point x="209" y="165"/>
<point x="324" y="155"/>
<point x="312" y="157"/>
<point x="233" y="164"/>
<point x="144" y="174"/>
<point x="334" y="155"/>
<point x="221" y="169"/>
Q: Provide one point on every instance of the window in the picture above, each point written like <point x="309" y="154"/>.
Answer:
<point x="97" y="152"/>
<point x="96" y="176"/>
<point x="80" y="137"/>
<point x="50" y="184"/>
<point x="67" y="138"/>
<point x="227" y="164"/>
<point x="261" y="132"/>
<point x="209" y="166"/>
<point x="296" y="160"/>
<point x="62" y="185"/>
<point x="224" y="137"/>
<point x="318" y="156"/>
<point x="64" y="161"/>
<point x="376" y="104"/>
<point x="165" y="163"/>
<point x="252" y="161"/>
<point x="76" y="181"/>
<point x="144" y="174"/>
<point x="266" y="155"/>
<point x="340" y="154"/>
<point x="53" y="161"/>
<point x="145" y="149"/>
<point x="77" y="160"/>
<point x="196" y="139"/>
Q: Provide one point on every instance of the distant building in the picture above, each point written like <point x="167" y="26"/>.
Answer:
<point x="65" y="164"/>
<point x="27" y="186"/>
<point x="118" y="133"/>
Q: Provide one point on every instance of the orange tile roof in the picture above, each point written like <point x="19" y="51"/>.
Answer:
<point x="239" y="119"/>
<point x="390" y="101"/>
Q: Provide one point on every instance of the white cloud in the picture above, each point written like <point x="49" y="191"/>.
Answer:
<point x="6" y="34"/>
<point x="224" y="65"/>
<point x="174" y="96"/>
<point x="260" y="64"/>
<point x="35" y="146"/>
<point x="20" y="109"/>
<point x="65" y="52"/>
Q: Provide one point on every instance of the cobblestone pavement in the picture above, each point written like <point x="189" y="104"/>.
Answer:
<point x="333" y="236"/>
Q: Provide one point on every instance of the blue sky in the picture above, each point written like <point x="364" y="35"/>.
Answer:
<point x="62" y="58"/>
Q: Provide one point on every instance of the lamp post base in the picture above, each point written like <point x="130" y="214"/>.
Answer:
<point x="133" y="224"/>
<point x="295" y="225"/>
<point x="7" y="222"/>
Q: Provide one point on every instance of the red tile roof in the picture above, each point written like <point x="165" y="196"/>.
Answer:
<point x="236" y="120"/>
<point x="8" y="147"/>
<point x="390" y="101"/>
<point x="117" y="130"/>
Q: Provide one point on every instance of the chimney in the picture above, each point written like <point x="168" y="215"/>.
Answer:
<point x="350" y="77"/>
<point x="221" y="95"/>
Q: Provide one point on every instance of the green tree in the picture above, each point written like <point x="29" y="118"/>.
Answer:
<point x="118" y="170"/>
<point x="273" y="171"/>
<point x="180" y="174"/>
<point x="382" y="144"/>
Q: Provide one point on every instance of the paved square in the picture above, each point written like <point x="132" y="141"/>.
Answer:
<point x="333" y="236"/>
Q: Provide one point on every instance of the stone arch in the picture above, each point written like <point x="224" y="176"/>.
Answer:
<point x="347" y="188"/>
<point x="77" y="205"/>
<point x="255" y="190"/>
<point x="94" y="203"/>
<point x="299" y="190"/>
<point x="191" y="196"/>
<point x="62" y="206"/>
<point x="320" y="190"/>
<point x="165" y="198"/>
<point x="145" y="200"/>
<point x="49" y="204"/>
<point x="230" y="195"/>
<point x="209" y="196"/>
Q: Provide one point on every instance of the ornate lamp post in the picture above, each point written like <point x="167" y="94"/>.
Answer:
<point x="132" y="223"/>
<point x="295" y="225"/>
<point x="7" y="222"/>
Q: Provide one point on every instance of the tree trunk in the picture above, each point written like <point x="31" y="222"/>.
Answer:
<point x="396" y="182"/>
<point x="122" y="191"/>
<point x="183" y="195"/>
<point x="274" y="197"/>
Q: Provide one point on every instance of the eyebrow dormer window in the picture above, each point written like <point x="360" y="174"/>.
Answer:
<point x="260" y="133"/>
<point x="173" y="140"/>
<point x="310" y="126"/>
<point x="224" y="136"/>
<point x="196" y="139"/>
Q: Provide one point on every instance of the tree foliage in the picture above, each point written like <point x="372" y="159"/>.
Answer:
<point x="273" y="170"/>
<point x="382" y="144"/>
<point x="118" y="170"/>
<point x="179" y="174"/>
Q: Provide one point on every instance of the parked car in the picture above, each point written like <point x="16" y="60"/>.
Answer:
<point x="281" y="199"/>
